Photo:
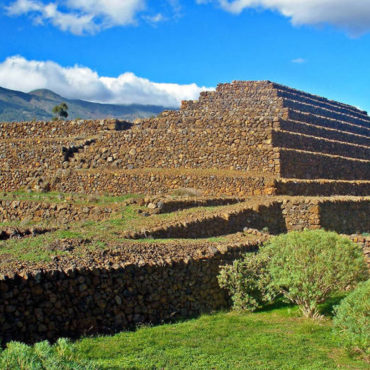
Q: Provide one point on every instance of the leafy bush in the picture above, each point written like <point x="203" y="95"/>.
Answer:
<point x="247" y="281"/>
<point x="42" y="356"/>
<point x="307" y="267"/>
<point x="352" y="322"/>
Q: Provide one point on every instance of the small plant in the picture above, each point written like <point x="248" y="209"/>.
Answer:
<point x="186" y="192"/>
<point x="247" y="281"/>
<point x="352" y="320"/>
<point x="61" y="111"/>
<point x="308" y="267"/>
<point x="42" y="356"/>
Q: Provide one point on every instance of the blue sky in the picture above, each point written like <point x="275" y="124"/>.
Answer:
<point x="159" y="52"/>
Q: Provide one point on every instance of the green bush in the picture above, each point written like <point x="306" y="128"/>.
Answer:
<point x="42" y="356"/>
<point x="307" y="267"/>
<point x="352" y="322"/>
<point x="247" y="282"/>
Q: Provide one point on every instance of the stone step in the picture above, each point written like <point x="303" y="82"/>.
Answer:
<point x="318" y="120"/>
<point x="315" y="110"/>
<point x="302" y="164"/>
<point x="286" y="139"/>
<point x="319" y="98"/>
<point x="323" y="132"/>
<point x="319" y="102"/>
<point x="321" y="187"/>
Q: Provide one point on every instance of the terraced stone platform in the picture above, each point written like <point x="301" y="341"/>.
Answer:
<point x="245" y="138"/>
<point x="212" y="181"/>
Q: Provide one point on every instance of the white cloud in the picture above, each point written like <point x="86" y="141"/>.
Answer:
<point x="80" y="16"/>
<point x="353" y="16"/>
<point x="154" y="18"/>
<point x="299" y="61"/>
<point x="78" y="82"/>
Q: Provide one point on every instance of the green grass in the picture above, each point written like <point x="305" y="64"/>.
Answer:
<point x="274" y="339"/>
<point x="101" y="234"/>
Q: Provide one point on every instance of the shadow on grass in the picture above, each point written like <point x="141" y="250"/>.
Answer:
<point x="327" y="308"/>
<point x="276" y="305"/>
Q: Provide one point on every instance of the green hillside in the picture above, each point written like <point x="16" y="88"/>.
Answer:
<point x="38" y="104"/>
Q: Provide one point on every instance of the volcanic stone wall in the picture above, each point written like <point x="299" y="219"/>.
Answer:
<point x="327" y="132"/>
<point x="227" y="129"/>
<point x="325" y="122"/>
<point x="357" y="220"/>
<point x="321" y="139"/>
<point x="151" y="181"/>
<point x="15" y="210"/>
<point x="303" y="142"/>
<point x="273" y="215"/>
<point x="332" y="214"/>
<point x="268" y="217"/>
<point x="321" y="187"/>
<point x="57" y="129"/>
<point x="262" y="130"/>
<point x="30" y="154"/>
<point x="113" y="294"/>
<point x="308" y="165"/>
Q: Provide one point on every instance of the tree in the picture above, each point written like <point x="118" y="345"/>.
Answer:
<point x="61" y="110"/>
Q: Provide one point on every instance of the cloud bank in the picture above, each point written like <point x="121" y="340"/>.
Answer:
<point x="352" y="16"/>
<point x="79" y="16"/>
<point x="79" y="82"/>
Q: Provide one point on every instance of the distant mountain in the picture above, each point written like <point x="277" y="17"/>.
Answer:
<point x="38" y="104"/>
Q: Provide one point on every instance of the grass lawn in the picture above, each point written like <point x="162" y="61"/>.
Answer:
<point x="276" y="339"/>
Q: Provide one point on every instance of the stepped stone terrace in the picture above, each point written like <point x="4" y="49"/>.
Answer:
<point x="208" y="182"/>
<point x="246" y="138"/>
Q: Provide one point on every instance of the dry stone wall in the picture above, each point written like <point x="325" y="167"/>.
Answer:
<point x="308" y="143"/>
<point x="15" y="210"/>
<point x="57" y="129"/>
<point x="309" y="165"/>
<point x="139" y="181"/>
<point x="327" y="113"/>
<point x="321" y="187"/>
<point x="247" y="127"/>
<point x="267" y="217"/>
<point x="327" y="133"/>
<point x="48" y="154"/>
<point x="113" y="295"/>
<point x="345" y="217"/>
<point x="277" y="215"/>
<point x="326" y="122"/>
<point x="224" y="148"/>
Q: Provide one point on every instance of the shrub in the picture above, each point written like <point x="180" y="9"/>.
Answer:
<point x="42" y="356"/>
<point x="351" y="320"/>
<point x="247" y="282"/>
<point x="307" y="267"/>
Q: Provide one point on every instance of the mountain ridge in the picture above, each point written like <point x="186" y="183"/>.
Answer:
<point x="38" y="104"/>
